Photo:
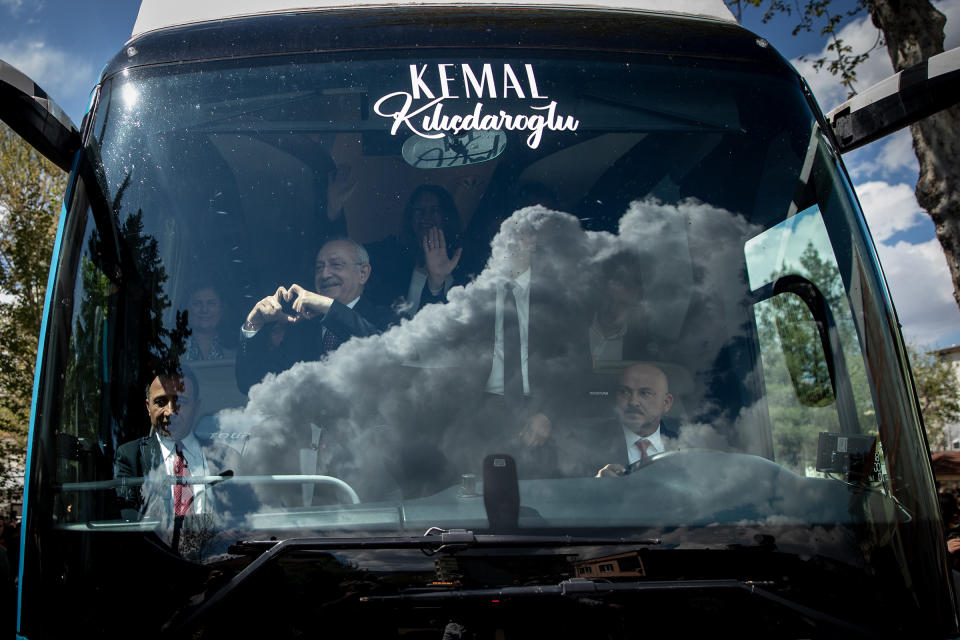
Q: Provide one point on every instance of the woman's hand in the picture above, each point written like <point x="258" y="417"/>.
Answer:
<point x="439" y="264"/>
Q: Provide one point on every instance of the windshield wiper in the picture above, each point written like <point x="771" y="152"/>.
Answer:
<point x="583" y="587"/>
<point x="435" y="540"/>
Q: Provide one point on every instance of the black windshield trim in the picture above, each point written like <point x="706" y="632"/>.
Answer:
<point x="579" y="587"/>
<point x="395" y="28"/>
<point x="447" y="541"/>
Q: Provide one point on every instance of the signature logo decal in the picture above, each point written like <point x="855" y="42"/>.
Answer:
<point x="427" y="112"/>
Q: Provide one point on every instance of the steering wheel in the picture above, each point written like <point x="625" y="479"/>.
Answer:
<point x="657" y="457"/>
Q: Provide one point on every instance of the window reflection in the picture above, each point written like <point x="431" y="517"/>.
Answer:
<point x="360" y="329"/>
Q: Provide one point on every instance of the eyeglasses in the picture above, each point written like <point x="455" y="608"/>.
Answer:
<point x="335" y="266"/>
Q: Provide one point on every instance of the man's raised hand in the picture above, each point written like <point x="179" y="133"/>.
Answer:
<point x="306" y="304"/>
<point x="269" y="309"/>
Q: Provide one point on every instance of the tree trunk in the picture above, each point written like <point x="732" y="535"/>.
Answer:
<point x="913" y="30"/>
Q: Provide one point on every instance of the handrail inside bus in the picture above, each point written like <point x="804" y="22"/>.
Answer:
<point x="101" y="485"/>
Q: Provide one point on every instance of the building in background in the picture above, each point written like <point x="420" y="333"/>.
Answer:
<point x="951" y="355"/>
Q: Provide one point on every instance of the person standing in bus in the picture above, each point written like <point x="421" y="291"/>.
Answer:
<point x="529" y="335"/>
<point x="172" y="401"/>
<point x="295" y="324"/>
<point x="615" y="329"/>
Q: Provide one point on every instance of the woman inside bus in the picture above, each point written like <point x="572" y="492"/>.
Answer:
<point x="204" y="312"/>
<point x="424" y="255"/>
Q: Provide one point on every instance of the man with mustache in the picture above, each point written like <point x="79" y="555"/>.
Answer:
<point x="318" y="321"/>
<point x="642" y="398"/>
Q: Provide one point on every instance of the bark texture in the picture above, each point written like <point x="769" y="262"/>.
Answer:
<point x="913" y="30"/>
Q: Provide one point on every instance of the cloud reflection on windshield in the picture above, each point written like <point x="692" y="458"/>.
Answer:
<point x="398" y="410"/>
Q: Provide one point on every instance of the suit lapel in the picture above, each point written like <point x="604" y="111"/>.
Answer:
<point x="361" y="307"/>
<point x="623" y="456"/>
<point x="610" y="446"/>
<point x="156" y="502"/>
<point x="150" y="453"/>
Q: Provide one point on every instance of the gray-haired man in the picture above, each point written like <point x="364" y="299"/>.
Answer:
<point x="314" y="323"/>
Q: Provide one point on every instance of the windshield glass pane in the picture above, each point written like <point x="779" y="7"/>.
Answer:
<point x="387" y="294"/>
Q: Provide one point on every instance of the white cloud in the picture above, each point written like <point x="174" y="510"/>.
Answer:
<point x="883" y="159"/>
<point x="951" y="9"/>
<point x="692" y="304"/>
<point x="13" y="6"/>
<point x="922" y="290"/>
<point x="861" y="36"/>
<point x="917" y="274"/>
<point x="59" y="73"/>
<point x="889" y="208"/>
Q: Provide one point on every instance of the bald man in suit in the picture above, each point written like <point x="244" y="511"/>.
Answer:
<point x="638" y="430"/>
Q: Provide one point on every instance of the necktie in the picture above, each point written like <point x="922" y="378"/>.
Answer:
<point x="182" y="493"/>
<point x="512" y="368"/>
<point x="330" y="341"/>
<point x="643" y="444"/>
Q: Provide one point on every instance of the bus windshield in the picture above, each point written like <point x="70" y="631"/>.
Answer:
<point x="368" y="295"/>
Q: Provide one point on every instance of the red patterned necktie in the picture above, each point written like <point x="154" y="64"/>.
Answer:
<point x="182" y="493"/>
<point x="330" y="341"/>
<point x="643" y="444"/>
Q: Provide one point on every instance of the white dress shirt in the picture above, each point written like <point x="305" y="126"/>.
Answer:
<point x="634" y="453"/>
<point x="521" y="292"/>
<point x="196" y="464"/>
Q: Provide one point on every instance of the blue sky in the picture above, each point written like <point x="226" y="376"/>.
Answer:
<point x="63" y="44"/>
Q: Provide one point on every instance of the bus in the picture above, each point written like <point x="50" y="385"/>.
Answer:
<point x="469" y="319"/>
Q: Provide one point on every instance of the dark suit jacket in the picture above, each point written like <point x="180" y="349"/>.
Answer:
<point x="391" y="281"/>
<point x="601" y="443"/>
<point x="467" y="421"/>
<point x="137" y="458"/>
<point x="303" y="341"/>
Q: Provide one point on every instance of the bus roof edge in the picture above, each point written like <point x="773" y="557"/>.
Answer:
<point x="161" y="14"/>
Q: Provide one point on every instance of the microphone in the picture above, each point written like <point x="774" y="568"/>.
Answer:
<point x="223" y="476"/>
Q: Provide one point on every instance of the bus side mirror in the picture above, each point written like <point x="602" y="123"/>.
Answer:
<point x="35" y="117"/>
<point x="901" y="99"/>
